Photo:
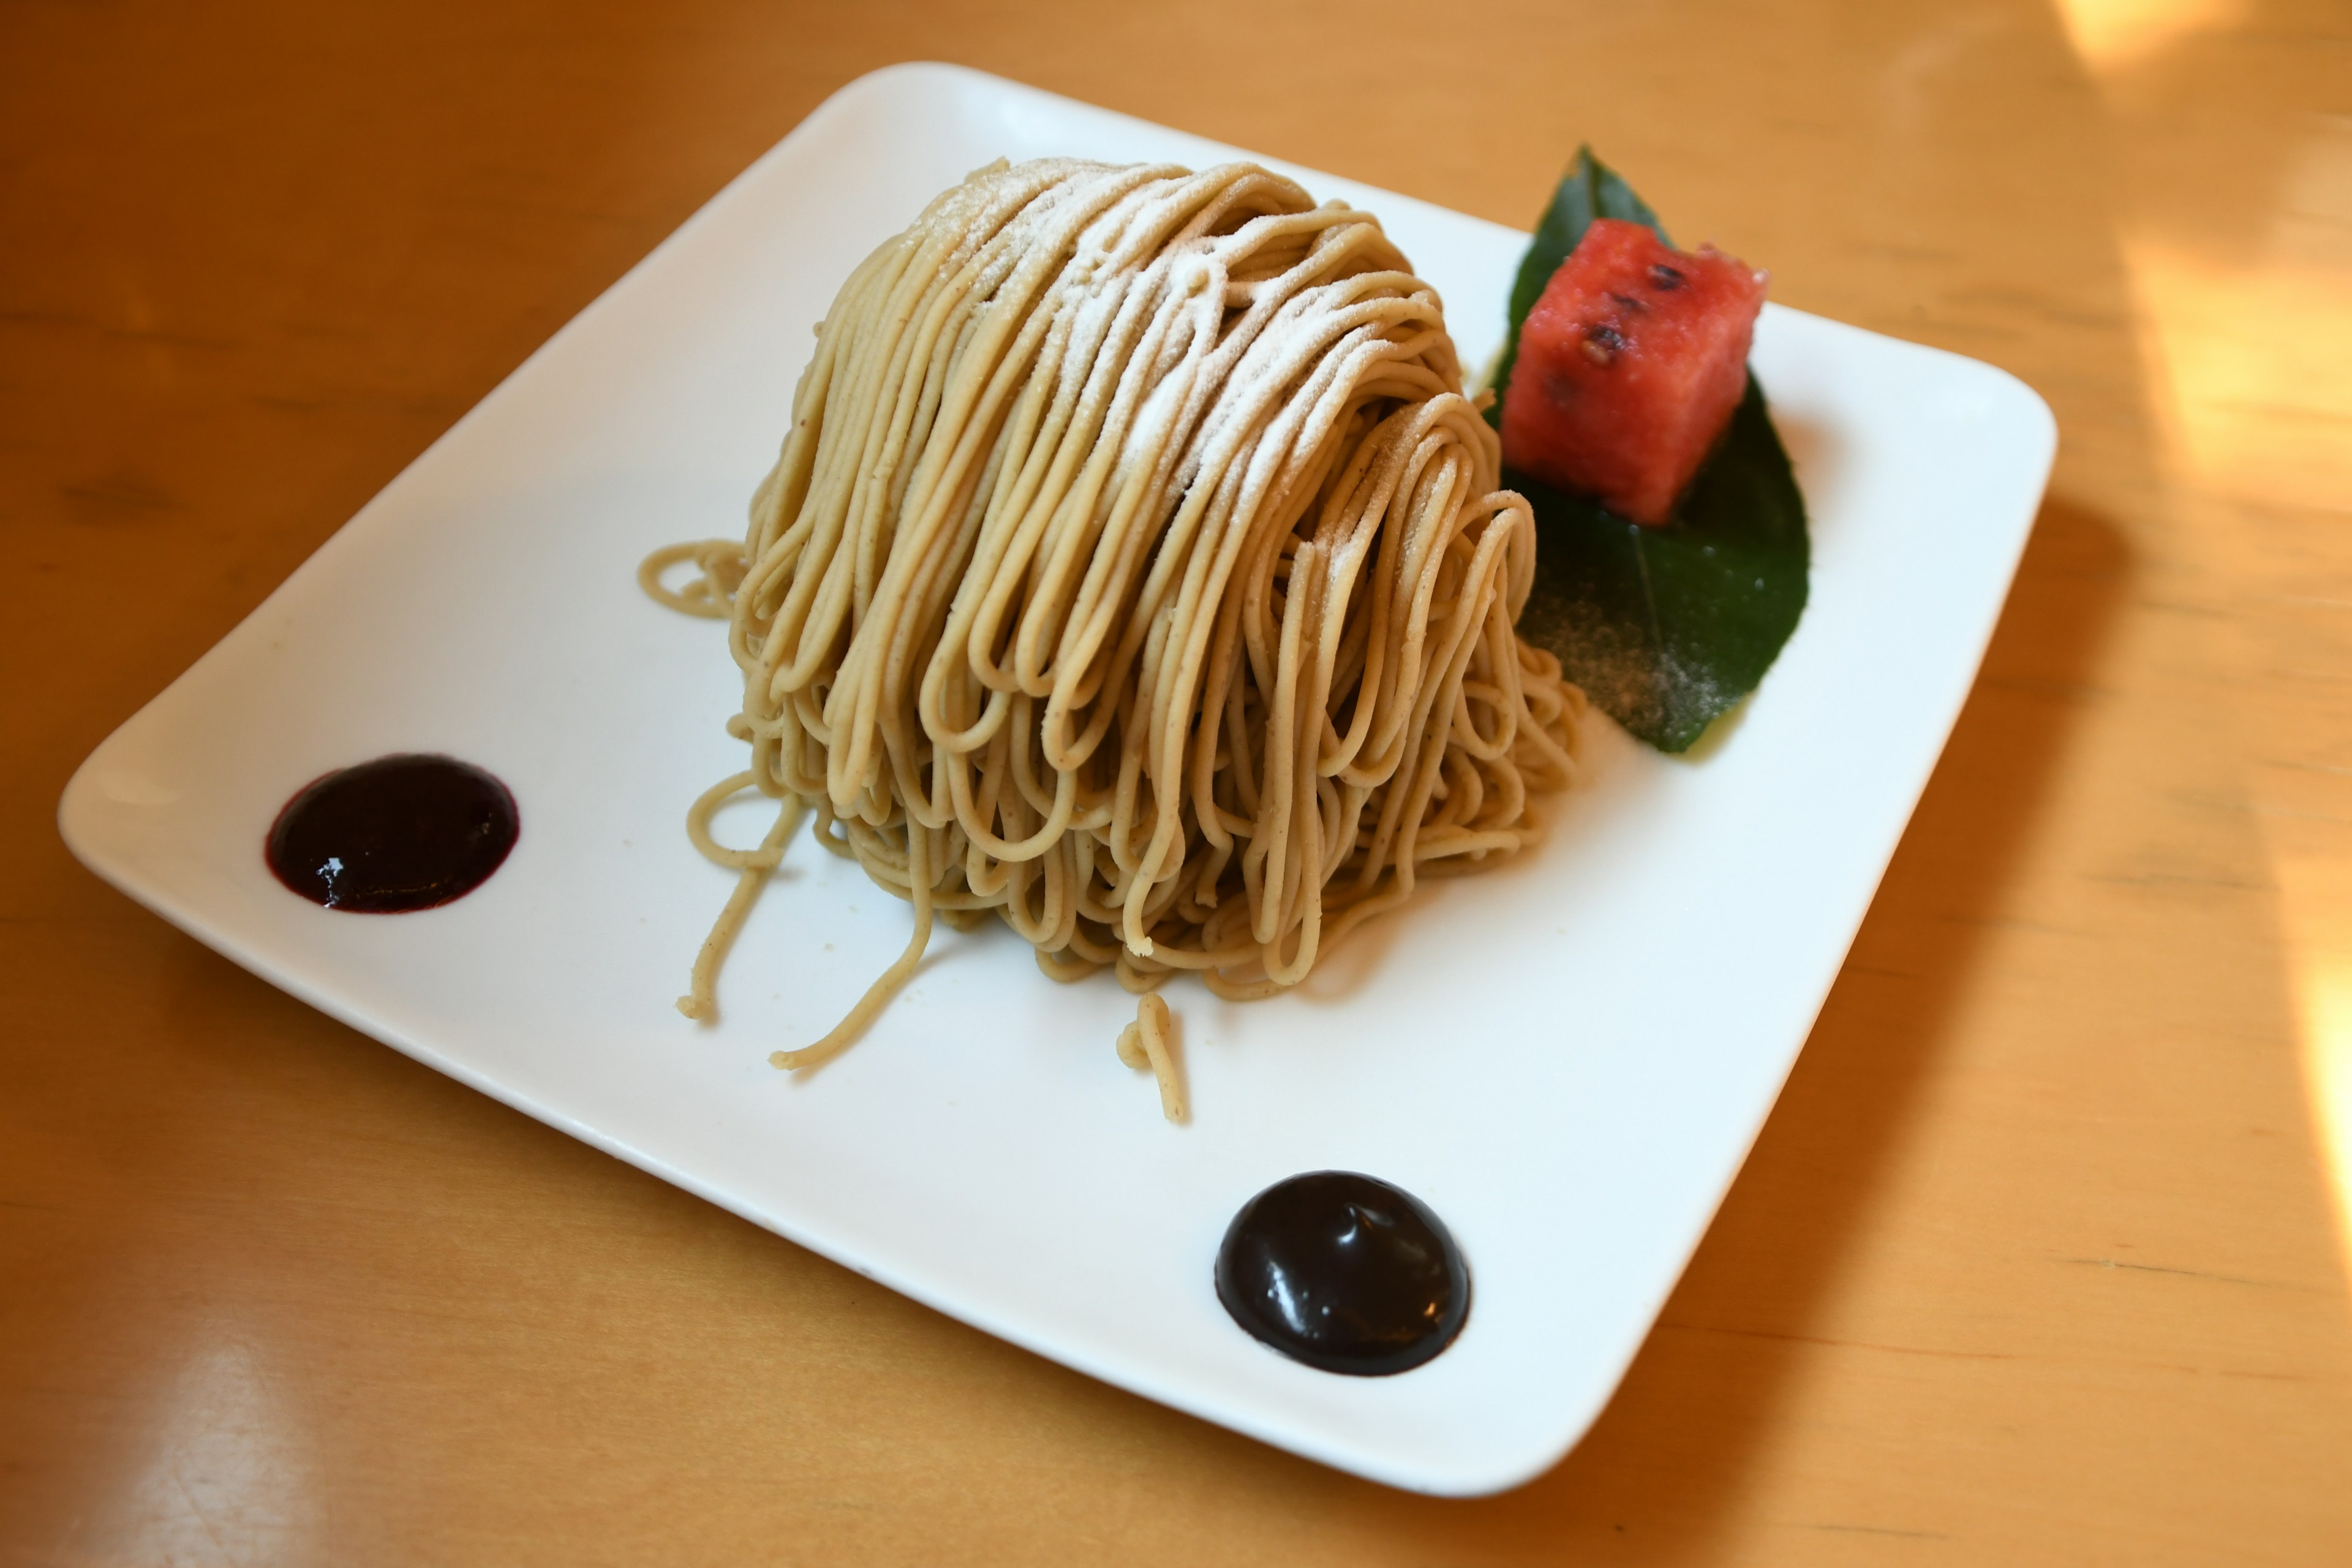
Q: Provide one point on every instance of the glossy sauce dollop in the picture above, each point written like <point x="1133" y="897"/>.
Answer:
<point x="401" y="833"/>
<point x="1344" y="1272"/>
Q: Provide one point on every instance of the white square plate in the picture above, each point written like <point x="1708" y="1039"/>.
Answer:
<point x="1567" y="1059"/>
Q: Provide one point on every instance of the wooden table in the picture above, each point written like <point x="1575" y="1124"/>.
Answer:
<point x="2041" y="1258"/>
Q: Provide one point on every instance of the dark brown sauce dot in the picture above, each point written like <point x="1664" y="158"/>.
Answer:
<point x="401" y="833"/>
<point x="1344" y="1272"/>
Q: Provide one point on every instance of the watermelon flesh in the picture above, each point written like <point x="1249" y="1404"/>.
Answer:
<point x="1629" y="368"/>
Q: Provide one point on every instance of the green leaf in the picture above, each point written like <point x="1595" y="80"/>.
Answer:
<point x="1665" y="628"/>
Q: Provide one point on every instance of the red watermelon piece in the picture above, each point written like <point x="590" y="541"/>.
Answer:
<point x="1629" y="368"/>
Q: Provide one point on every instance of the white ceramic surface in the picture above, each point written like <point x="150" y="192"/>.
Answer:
<point x="1567" y="1059"/>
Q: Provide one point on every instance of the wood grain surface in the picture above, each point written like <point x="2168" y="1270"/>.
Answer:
<point x="2042" y="1259"/>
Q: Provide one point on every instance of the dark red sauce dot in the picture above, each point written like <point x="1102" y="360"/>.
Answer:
<point x="1344" y="1272"/>
<point x="401" y="833"/>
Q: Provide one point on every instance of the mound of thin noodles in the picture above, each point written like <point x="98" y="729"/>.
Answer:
<point x="1136" y="572"/>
